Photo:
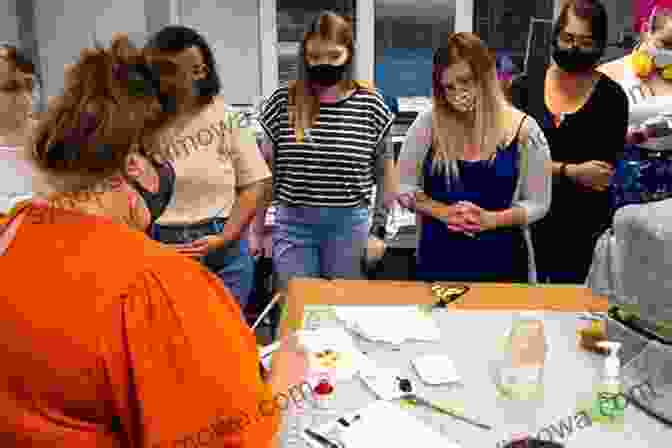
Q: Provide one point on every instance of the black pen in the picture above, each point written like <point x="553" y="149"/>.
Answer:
<point x="425" y="402"/>
<point x="321" y="439"/>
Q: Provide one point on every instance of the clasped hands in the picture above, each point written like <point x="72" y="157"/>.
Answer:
<point x="592" y="175"/>
<point x="468" y="218"/>
<point x="200" y="247"/>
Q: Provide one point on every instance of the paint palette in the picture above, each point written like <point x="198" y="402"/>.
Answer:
<point x="332" y="350"/>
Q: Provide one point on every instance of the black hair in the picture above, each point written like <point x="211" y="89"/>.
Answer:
<point x="176" y="38"/>
<point x="592" y="11"/>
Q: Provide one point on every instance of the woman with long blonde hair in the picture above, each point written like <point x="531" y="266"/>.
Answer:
<point x="476" y="170"/>
<point x="328" y="138"/>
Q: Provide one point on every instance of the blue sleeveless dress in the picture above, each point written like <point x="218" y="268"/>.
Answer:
<point x="499" y="255"/>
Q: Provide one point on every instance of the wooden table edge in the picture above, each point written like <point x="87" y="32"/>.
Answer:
<point x="481" y="296"/>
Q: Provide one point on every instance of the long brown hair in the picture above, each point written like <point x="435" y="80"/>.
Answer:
<point x="449" y="136"/>
<point x="304" y="105"/>
<point x="24" y="85"/>
<point x="89" y="130"/>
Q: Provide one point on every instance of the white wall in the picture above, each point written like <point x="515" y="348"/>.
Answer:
<point x="241" y="32"/>
<point x="232" y="30"/>
<point x="127" y="16"/>
<point x="268" y="47"/>
<point x="9" y="22"/>
<point x="464" y="15"/>
<point x="64" y="27"/>
<point x="365" y="40"/>
<point x="160" y="13"/>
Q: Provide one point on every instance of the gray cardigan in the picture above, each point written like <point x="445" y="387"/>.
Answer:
<point x="533" y="192"/>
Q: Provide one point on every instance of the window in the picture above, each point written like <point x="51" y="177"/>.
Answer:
<point x="406" y="34"/>
<point x="292" y="21"/>
<point x="505" y="28"/>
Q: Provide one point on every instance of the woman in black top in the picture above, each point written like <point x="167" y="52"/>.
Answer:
<point x="584" y="115"/>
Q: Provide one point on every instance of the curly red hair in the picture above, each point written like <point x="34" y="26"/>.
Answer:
<point x="97" y="121"/>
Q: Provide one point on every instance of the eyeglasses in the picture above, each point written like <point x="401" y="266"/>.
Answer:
<point x="576" y="39"/>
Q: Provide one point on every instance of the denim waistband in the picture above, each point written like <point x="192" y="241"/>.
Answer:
<point x="324" y="216"/>
<point x="173" y="233"/>
<point x="211" y="223"/>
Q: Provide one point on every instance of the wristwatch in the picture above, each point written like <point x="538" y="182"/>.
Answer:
<point x="379" y="232"/>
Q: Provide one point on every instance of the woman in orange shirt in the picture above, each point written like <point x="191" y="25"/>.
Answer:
<point x="117" y="341"/>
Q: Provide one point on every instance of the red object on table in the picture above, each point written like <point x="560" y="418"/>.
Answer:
<point x="324" y="388"/>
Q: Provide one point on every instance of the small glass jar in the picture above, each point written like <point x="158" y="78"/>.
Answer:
<point x="592" y="333"/>
<point x="521" y="373"/>
<point x="323" y="394"/>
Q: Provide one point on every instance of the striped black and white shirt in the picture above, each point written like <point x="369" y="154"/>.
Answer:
<point x="334" y="165"/>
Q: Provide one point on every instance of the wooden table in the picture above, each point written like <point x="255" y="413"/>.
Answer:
<point x="483" y="296"/>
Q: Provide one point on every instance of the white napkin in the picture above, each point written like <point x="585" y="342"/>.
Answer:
<point x="436" y="369"/>
<point x="393" y="323"/>
<point x="382" y="381"/>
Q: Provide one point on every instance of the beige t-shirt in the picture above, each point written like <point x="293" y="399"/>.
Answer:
<point x="212" y="156"/>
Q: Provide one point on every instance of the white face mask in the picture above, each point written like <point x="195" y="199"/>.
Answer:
<point x="463" y="100"/>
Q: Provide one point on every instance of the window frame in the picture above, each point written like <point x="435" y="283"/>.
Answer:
<point x="365" y="11"/>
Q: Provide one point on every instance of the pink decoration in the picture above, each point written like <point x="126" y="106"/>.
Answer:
<point x="407" y="200"/>
<point x="643" y="9"/>
<point x="504" y="76"/>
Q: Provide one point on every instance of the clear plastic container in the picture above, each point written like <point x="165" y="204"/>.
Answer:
<point x="520" y="375"/>
<point x="521" y="372"/>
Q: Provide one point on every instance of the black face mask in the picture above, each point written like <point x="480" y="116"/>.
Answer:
<point x="575" y="60"/>
<point x="158" y="202"/>
<point x="326" y="75"/>
<point x="168" y="103"/>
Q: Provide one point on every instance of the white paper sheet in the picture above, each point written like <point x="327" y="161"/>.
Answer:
<point x="382" y="382"/>
<point x="385" y="424"/>
<point x="394" y="324"/>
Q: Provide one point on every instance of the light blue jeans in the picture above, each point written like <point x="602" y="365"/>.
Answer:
<point x="233" y="263"/>
<point x="319" y="242"/>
